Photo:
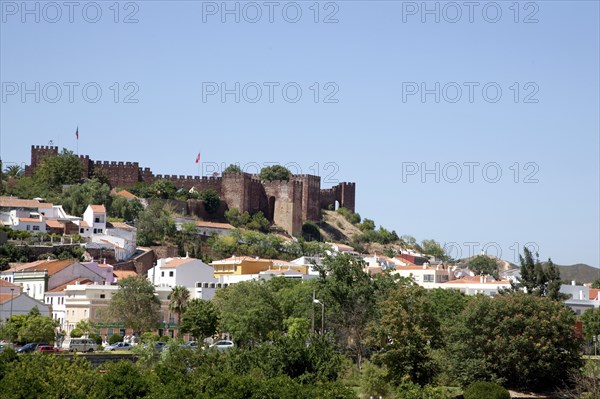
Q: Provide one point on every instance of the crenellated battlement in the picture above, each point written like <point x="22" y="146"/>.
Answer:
<point x="288" y="203"/>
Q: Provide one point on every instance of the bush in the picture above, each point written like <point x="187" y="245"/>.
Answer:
<point x="211" y="200"/>
<point x="113" y="339"/>
<point x="165" y="339"/>
<point x="373" y="381"/>
<point x="76" y="333"/>
<point x="97" y="338"/>
<point x="486" y="390"/>
<point x="149" y="337"/>
<point x="410" y="390"/>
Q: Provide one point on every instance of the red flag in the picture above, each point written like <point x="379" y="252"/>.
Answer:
<point x="77" y="133"/>
<point x="198" y="158"/>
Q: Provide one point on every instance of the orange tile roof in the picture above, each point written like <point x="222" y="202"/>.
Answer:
<point x="80" y="281"/>
<point x="594" y="293"/>
<point x="30" y="220"/>
<point x="54" y="224"/>
<point x="124" y="273"/>
<point x="476" y="280"/>
<point x="4" y="283"/>
<point x="14" y="202"/>
<point x="98" y="208"/>
<point x="343" y="246"/>
<point x="83" y="223"/>
<point x="176" y="262"/>
<point x="52" y="266"/>
<point x="119" y="225"/>
<point x="214" y="225"/>
<point x="126" y="194"/>
<point x="240" y="259"/>
<point x="6" y="297"/>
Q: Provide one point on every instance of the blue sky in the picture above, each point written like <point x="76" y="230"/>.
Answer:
<point x="360" y="116"/>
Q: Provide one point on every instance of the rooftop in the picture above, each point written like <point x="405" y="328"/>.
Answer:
<point x="80" y="281"/>
<point x="98" y="208"/>
<point x="175" y="262"/>
<point x="119" y="274"/>
<point x="477" y="280"/>
<point x="214" y="225"/>
<point x="14" y="202"/>
<point x="52" y="266"/>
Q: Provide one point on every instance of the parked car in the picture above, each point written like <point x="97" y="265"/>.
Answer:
<point x="48" y="349"/>
<point x="158" y="345"/>
<point x="190" y="345"/>
<point x="83" y="345"/>
<point x="119" y="346"/>
<point x="30" y="347"/>
<point x="222" y="345"/>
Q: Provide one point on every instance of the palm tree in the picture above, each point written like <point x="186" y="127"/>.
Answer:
<point x="13" y="171"/>
<point x="178" y="300"/>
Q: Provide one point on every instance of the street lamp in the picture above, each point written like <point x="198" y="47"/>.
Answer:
<point x="12" y="292"/>
<point x="322" y="315"/>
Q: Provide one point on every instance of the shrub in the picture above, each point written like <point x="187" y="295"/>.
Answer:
<point x="486" y="390"/>
<point x="211" y="200"/>
<point x="113" y="339"/>
<point x="373" y="381"/>
<point x="149" y="337"/>
<point x="165" y="338"/>
<point x="76" y="333"/>
<point x="410" y="390"/>
<point x="97" y="338"/>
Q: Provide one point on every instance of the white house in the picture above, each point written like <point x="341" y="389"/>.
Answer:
<point x="207" y="229"/>
<point x="171" y="272"/>
<point x="95" y="217"/>
<point x="425" y="275"/>
<point x="473" y="285"/>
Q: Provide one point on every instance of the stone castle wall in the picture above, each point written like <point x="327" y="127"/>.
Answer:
<point x="287" y="203"/>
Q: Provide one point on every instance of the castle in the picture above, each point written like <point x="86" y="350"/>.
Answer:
<point x="288" y="204"/>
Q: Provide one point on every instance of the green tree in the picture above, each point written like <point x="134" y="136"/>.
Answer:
<point x="162" y="189"/>
<point x="87" y="327"/>
<point x="200" y="319"/>
<point x="125" y="209"/>
<point x="122" y="380"/>
<point x="135" y="304"/>
<point x="406" y="333"/>
<point x="232" y="168"/>
<point x="154" y="225"/>
<point x="519" y="340"/>
<point x="274" y="172"/>
<point x="483" y="264"/>
<point x="537" y="280"/>
<point x="248" y="321"/>
<point x="349" y="296"/>
<point x="13" y="171"/>
<point x="596" y="283"/>
<point x="211" y="200"/>
<point x="178" y="300"/>
<point x="591" y="323"/>
<point x="43" y="376"/>
<point x="55" y="171"/>
<point x="433" y="248"/>
<point x="367" y="224"/>
<point x="32" y="327"/>
<point x="76" y="198"/>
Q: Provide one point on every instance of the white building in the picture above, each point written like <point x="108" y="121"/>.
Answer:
<point x="425" y="275"/>
<point x="474" y="285"/>
<point x="172" y="272"/>
<point x="95" y="217"/>
<point x="207" y="229"/>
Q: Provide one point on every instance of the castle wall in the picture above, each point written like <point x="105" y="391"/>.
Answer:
<point x="311" y="196"/>
<point x="287" y="203"/>
<point x="38" y="152"/>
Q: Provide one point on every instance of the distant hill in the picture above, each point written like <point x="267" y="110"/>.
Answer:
<point x="579" y="272"/>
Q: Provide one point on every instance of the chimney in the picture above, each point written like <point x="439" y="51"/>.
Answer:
<point x="573" y="282"/>
<point x="481" y="279"/>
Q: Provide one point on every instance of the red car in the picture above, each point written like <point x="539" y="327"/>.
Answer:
<point x="48" y="349"/>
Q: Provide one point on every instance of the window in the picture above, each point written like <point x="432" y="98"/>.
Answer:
<point x="36" y="228"/>
<point x="162" y="274"/>
<point x="171" y="274"/>
<point x="97" y="220"/>
<point x="428" y="278"/>
<point x="94" y="231"/>
<point x="81" y="231"/>
<point x="28" y="227"/>
<point x="102" y="296"/>
<point x="99" y="231"/>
